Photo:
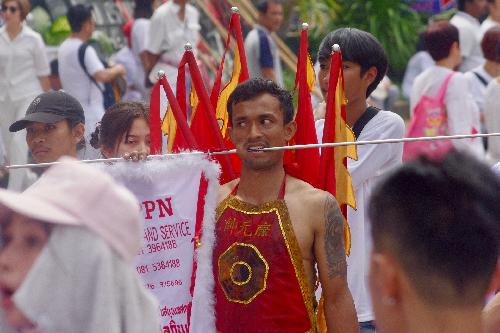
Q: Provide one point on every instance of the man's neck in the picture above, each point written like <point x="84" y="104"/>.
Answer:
<point x="461" y="320"/>
<point x="13" y="30"/>
<point x="260" y="186"/>
<point x="492" y="68"/>
<point x="354" y="110"/>
<point x="80" y="35"/>
<point x="446" y="63"/>
<point x="495" y="17"/>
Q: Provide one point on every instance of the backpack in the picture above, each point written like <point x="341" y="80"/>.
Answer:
<point x="108" y="92"/>
<point x="429" y="119"/>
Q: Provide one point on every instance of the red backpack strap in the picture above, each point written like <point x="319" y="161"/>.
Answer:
<point x="442" y="90"/>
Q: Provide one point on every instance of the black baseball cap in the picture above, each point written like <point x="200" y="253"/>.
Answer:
<point x="49" y="108"/>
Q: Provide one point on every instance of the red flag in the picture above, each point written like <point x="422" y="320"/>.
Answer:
<point x="204" y="125"/>
<point x="334" y="176"/>
<point x="304" y="161"/>
<point x="183" y="138"/>
<point x="240" y="74"/>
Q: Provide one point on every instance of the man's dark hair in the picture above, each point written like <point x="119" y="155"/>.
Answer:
<point x="78" y="15"/>
<point x="359" y="47"/>
<point x="490" y="44"/>
<point x="253" y="88"/>
<point x="439" y="37"/>
<point x="143" y="9"/>
<point x="461" y="4"/>
<point x="264" y="4"/>
<point x="440" y="219"/>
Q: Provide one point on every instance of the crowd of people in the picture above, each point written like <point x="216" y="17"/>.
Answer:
<point x="425" y="235"/>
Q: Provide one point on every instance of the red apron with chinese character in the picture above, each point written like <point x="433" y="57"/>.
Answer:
<point x="260" y="283"/>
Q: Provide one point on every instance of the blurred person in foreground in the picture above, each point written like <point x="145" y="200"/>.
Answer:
<point x="66" y="256"/>
<point x="436" y="231"/>
<point x="24" y="71"/>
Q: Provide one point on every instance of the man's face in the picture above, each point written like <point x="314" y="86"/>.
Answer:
<point x="49" y="142"/>
<point x="477" y="8"/>
<point x="494" y="8"/>
<point x="22" y="242"/>
<point x="273" y="18"/>
<point x="258" y="123"/>
<point x="355" y="85"/>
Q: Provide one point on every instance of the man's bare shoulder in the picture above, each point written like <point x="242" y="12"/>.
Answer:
<point x="310" y="198"/>
<point x="226" y="189"/>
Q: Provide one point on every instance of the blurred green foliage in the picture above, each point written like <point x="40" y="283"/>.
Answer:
<point x="393" y="22"/>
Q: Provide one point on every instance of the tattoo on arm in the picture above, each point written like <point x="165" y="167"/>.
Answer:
<point x="334" y="239"/>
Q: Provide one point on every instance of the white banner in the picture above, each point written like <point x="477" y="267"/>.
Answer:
<point x="174" y="194"/>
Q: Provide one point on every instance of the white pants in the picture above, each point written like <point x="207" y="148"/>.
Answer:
<point x="15" y="143"/>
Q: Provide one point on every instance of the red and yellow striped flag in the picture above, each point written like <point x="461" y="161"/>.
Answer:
<point x="304" y="163"/>
<point x="334" y="176"/>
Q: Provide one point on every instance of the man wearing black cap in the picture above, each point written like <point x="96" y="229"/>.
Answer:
<point x="55" y="125"/>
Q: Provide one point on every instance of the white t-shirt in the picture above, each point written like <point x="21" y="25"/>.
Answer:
<point x="486" y="25"/>
<point x="463" y="116"/>
<point x="373" y="161"/>
<point x="262" y="52"/>
<point x="140" y="35"/>
<point x="418" y="63"/>
<point x="76" y="83"/>
<point x="168" y="34"/>
<point x="469" y="30"/>
<point x="22" y="61"/>
<point x="492" y="118"/>
<point x="478" y="88"/>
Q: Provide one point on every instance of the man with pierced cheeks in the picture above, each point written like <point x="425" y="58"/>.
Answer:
<point x="273" y="229"/>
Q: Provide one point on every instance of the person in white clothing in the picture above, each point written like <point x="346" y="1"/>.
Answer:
<point x="263" y="56"/>
<point x="442" y="41"/>
<point x="74" y="80"/>
<point x="365" y="64"/>
<point x="492" y="118"/>
<point x="139" y="40"/>
<point x="24" y="71"/>
<point x="418" y="63"/>
<point x="172" y="25"/>
<point x="481" y="76"/>
<point x="493" y="19"/>
<point x="467" y="22"/>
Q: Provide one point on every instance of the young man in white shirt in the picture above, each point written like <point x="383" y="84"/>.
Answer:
<point x="74" y="80"/>
<point x="365" y="64"/>
<point x="467" y="22"/>
<point x="442" y="41"/>
<point x="493" y="19"/>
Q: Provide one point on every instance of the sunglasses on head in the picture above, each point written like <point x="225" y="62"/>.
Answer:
<point x="12" y="9"/>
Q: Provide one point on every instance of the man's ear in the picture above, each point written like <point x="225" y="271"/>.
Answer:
<point x="385" y="277"/>
<point x="290" y="130"/>
<point x="370" y="75"/>
<point x="78" y="132"/>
